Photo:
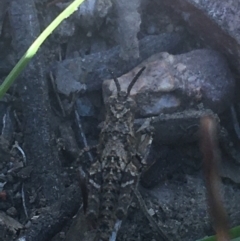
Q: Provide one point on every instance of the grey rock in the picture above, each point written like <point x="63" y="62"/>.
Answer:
<point x="89" y="72"/>
<point x="9" y="227"/>
<point x="12" y="211"/>
<point x="176" y="83"/>
<point x="91" y="13"/>
<point x="215" y="22"/>
<point x="129" y="21"/>
<point x="68" y="86"/>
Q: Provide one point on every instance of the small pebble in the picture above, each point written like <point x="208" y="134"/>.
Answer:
<point x="151" y="29"/>
<point x="62" y="235"/>
<point x="28" y="224"/>
<point x="12" y="211"/>
<point x="170" y="28"/>
<point x="192" y="201"/>
<point x="181" y="67"/>
<point x="133" y="204"/>
<point x="151" y="212"/>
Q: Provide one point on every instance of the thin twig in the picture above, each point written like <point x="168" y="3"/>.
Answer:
<point x="53" y="2"/>
<point x="17" y="119"/>
<point x="57" y="95"/>
<point x="83" y="186"/>
<point x="16" y="145"/>
<point x="24" y="202"/>
<point x="116" y="228"/>
<point x="84" y="139"/>
<point x="4" y="123"/>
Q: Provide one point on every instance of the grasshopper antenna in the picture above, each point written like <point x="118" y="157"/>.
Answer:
<point x="115" y="81"/>
<point x="134" y="80"/>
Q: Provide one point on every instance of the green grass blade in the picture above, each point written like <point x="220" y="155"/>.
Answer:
<point x="236" y="239"/>
<point x="19" y="67"/>
<point x="234" y="234"/>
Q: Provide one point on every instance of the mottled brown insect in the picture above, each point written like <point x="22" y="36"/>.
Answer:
<point x="114" y="175"/>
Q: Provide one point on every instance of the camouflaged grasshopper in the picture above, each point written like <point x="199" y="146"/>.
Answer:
<point x="114" y="175"/>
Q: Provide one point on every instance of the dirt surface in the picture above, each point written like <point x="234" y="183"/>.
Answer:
<point x="56" y="107"/>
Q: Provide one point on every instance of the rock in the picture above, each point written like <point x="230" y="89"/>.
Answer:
<point x="9" y="226"/>
<point x="91" y="14"/>
<point x="229" y="171"/>
<point x="128" y="26"/>
<point x="12" y="211"/>
<point x="215" y="22"/>
<point x="69" y="86"/>
<point x="80" y="74"/>
<point x="176" y="83"/>
<point x="151" y="211"/>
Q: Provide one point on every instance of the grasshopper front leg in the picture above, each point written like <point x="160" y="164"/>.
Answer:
<point x="95" y="182"/>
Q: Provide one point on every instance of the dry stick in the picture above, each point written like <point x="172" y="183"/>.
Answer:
<point x="82" y="174"/>
<point x="211" y="160"/>
<point x="16" y="145"/>
<point x="84" y="139"/>
<point x="53" y="2"/>
<point x="24" y="202"/>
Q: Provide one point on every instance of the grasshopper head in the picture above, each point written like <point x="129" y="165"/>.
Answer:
<point x="122" y="104"/>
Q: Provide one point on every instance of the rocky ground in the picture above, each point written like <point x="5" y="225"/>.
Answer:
<point x="55" y="108"/>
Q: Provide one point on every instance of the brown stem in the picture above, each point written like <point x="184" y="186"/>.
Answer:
<point x="211" y="160"/>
